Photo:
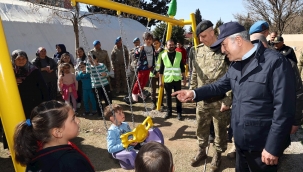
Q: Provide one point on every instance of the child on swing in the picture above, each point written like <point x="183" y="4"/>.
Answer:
<point x="41" y="143"/>
<point x="68" y="85"/>
<point x="154" y="156"/>
<point x="117" y="128"/>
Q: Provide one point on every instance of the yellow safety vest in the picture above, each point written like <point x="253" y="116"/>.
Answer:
<point x="172" y="72"/>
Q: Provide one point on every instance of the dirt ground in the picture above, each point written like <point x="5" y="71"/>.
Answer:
<point x="179" y="137"/>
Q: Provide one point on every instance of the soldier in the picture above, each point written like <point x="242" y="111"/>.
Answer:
<point x="102" y="55"/>
<point x="209" y="65"/>
<point x="118" y="65"/>
<point x="133" y="60"/>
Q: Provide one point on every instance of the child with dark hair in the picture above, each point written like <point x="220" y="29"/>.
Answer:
<point x="80" y="57"/>
<point x="99" y="73"/>
<point x="146" y="62"/>
<point x="65" y="58"/>
<point x="117" y="128"/>
<point x="88" y="95"/>
<point x="154" y="156"/>
<point x="68" y="85"/>
<point x="41" y="143"/>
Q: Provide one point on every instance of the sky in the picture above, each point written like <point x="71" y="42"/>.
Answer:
<point x="211" y="10"/>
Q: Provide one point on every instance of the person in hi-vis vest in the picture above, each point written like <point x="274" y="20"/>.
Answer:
<point x="172" y="69"/>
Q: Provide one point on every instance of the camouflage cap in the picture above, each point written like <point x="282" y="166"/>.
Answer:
<point x="202" y="26"/>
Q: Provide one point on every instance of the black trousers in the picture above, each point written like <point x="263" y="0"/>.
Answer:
<point x="251" y="162"/>
<point x="176" y="85"/>
<point x="102" y="96"/>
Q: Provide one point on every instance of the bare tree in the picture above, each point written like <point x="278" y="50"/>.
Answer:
<point x="278" y="13"/>
<point x="63" y="10"/>
<point x="245" y="20"/>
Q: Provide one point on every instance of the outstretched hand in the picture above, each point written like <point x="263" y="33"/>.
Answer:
<point x="184" y="95"/>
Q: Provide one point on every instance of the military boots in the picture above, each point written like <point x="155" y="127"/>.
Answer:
<point x="201" y="155"/>
<point x="215" y="162"/>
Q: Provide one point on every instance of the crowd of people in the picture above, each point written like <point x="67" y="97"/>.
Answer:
<point x="239" y="80"/>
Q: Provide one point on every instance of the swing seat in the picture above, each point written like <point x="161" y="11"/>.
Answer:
<point x="127" y="157"/>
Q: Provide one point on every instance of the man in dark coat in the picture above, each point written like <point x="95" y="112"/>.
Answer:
<point x="263" y="108"/>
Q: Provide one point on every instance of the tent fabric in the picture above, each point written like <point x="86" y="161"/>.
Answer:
<point x="28" y="27"/>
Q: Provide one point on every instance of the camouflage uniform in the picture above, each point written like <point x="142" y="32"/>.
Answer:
<point x="133" y="66"/>
<point x="300" y="65"/>
<point x="208" y="67"/>
<point x="117" y="61"/>
<point x="102" y="57"/>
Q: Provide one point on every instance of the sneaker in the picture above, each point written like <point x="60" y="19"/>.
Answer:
<point x="94" y="112"/>
<point x="90" y="114"/>
<point x="78" y="105"/>
<point x="135" y="97"/>
<point x="143" y="98"/>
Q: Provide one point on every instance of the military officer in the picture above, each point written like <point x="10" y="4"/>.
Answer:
<point x="209" y="65"/>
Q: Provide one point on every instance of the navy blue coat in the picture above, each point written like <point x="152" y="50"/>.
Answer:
<point x="264" y="101"/>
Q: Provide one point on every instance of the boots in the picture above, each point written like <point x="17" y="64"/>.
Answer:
<point x="232" y="152"/>
<point x="215" y="162"/>
<point x="201" y="155"/>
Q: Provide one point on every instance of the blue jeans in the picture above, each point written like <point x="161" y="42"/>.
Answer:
<point x="88" y="95"/>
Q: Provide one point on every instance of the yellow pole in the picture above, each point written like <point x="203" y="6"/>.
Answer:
<point x="10" y="107"/>
<point x="129" y="9"/>
<point x="161" y="89"/>
<point x="193" y="26"/>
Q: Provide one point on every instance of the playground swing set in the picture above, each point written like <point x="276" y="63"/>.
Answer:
<point x="144" y="132"/>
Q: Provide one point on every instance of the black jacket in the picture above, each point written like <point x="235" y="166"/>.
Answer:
<point x="63" y="158"/>
<point x="264" y="101"/>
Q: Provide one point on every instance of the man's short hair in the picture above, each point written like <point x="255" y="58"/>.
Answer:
<point x="154" y="156"/>
<point x="108" y="110"/>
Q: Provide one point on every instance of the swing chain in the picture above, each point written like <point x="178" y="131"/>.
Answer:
<point x="84" y="39"/>
<point x="126" y="68"/>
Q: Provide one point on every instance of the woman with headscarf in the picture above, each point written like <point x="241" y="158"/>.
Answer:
<point x="61" y="49"/>
<point x="48" y="68"/>
<point x="31" y="85"/>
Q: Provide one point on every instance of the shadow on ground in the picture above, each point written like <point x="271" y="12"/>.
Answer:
<point x="100" y="156"/>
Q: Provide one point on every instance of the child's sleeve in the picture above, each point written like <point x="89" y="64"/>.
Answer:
<point x="113" y="145"/>
<point x="60" y="82"/>
<point x="137" y="53"/>
<point x="88" y="68"/>
<point x="105" y="70"/>
<point x="76" y="82"/>
<point x="79" y="76"/>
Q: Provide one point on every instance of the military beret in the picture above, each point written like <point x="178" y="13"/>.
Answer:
<point x="118" y="39"/>
<point x="96" y="42"/>
<point x="258" y="27"/>
<point x="136" y="39"/>
<point x="202" y="26"/>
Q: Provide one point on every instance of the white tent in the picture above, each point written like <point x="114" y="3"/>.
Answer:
<point x="28" y="27"/>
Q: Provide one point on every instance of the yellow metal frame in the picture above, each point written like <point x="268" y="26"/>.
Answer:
<point x="11" y="110"/>
<point x="139" y="134"/>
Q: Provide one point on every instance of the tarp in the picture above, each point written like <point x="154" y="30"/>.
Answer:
<point x="28" y="27"/>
